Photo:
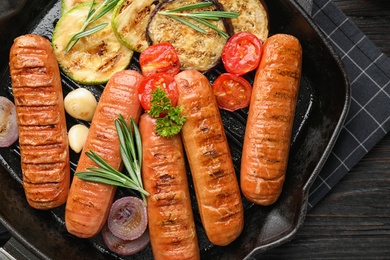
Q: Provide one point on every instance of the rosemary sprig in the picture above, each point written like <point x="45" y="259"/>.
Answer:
<point x="131" y="153"/>
<point x="92" y="16"/>
<point x="201" y="17"/>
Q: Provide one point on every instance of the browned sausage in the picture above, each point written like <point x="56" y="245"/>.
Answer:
<point x="89" y="203"/>
<point x="215" y="182"/>
<point x="171" y="222"/>
<point x="270" y="119"/>
<point x="44" y="149"/>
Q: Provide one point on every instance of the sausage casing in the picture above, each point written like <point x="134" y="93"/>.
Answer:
<point x="37" y="89"/>
<point x="215" y="182"/>
<point x="171" y="222"/>
<point x="270" y="120"/>
<point x="88" y="203"/>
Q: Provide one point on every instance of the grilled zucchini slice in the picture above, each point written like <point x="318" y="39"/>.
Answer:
<point x="253" y="16"/>
<point x="196" y="50"/>
<point x="94" y="58"/>
<point x="66" y="5"/>
<point x="130" y="20"/>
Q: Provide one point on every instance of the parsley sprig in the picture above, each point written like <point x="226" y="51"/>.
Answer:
<point x="201" y="17"/>
<point x="131" y="153"/>
<point x="172" y="122"/>
<point x="92" y="16"/>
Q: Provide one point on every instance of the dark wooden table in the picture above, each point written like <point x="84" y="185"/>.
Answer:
<point x="353" y="220"/>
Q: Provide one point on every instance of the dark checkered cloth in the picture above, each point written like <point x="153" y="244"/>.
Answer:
<point x="368" y="120"/>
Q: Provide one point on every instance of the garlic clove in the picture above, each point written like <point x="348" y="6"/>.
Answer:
<point x="77" y="136"/>
<point x="81" y="104"/>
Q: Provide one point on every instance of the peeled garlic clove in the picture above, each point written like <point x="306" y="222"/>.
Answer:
<point x="77" y="136"/>
<point x="81" y="104"/>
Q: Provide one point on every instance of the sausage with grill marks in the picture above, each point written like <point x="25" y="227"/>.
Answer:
<point x="171" y="222"/>
<point x="44" y="150"/>
<point x="270" y="120"/>
<point x="215" y="181"/>
<point x="89" y="203"/>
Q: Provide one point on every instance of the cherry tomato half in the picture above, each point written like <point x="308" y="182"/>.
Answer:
<point x="160" y="57"/>
<point x="242" y="53"/>
<point x="232" y="92"/>
<point x="162" y="80"/>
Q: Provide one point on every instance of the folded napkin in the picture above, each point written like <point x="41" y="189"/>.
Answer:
<point x="368" y="70"/>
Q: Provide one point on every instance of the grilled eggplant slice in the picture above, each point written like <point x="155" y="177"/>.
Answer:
<point x="94" y="58"/>
<point x="253" y="16"/>
<point x="196" y="50"/>
<point x="130" y="20"/>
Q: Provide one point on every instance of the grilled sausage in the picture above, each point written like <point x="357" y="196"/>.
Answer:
<point x="215" y="182"/>
<point x="44" y="150"/>
<point x="270" y="119"/>
<point x="171" y="222"/>
<point x="88" y="203"/>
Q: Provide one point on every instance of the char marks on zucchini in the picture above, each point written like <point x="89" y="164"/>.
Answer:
<point x="130" y="20"/>
<point x="94" y="58"/>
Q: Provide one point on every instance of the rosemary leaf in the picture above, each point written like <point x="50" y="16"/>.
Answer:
<point x="100" y="161"/>
<point x="209" y="15"/>
<point x="131" y="154"/>
<point x="201" y="17"/>
<point x="92" y="16"/>
<point x="90" y="31"/>
<point x="191" y="6"/>
<point x="128" y="165"/>
<point x="99" y="177"/>
<point x="107" y="173"/>
<point x="102" y="178"/>
<point x="90" y="13"/>
<point x="212" y="26"/>
<point x="117" y="179"/>
<point x="215" y="14"/>
<point x="82" y="34"/>
<point x="121" y="129"/>
<point x="184" y="21"/>
<point x="138" y="145"/>
<point x="130" y="140"/>
<point x="127" y="154"/>
<point x="106" y="7"/>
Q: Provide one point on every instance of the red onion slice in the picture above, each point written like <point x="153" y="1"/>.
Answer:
<point x="8" y="125"/>
<point x="124" y="247"/>
<point x="128" y="218"/>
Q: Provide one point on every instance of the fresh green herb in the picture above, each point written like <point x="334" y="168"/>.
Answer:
<point x="172" y="122"/>
<point x="92" y="16"/>
<point x="131" y="153"/>
<point x="201" y="17"/>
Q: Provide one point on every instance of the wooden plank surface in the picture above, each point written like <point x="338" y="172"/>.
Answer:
<point x="353" y="220"/>
<point x="372" y="17"/>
